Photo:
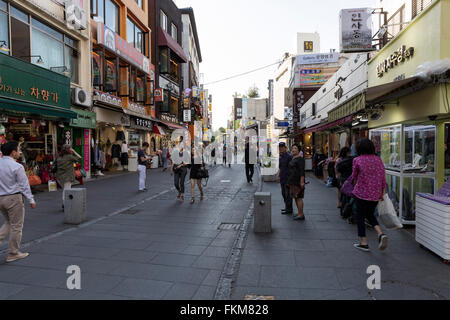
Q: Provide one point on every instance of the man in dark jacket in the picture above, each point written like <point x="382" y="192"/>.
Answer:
<point x="282" y="176"/>
<point x="249" y="167"/>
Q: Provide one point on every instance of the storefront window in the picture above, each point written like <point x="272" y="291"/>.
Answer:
<point x="110" y="77"/>
<point x="140" y="89"/>
<point x="174" y="106"/>
<point x="71" y="62"/>
<point x="112" y="15"/>
<point x="387" y="146"/>
<point x="164" y="61"/>
<point x="174" y="70"/>
<point x="50" y="49"/>
<point x="135" y="35"/>
<point x="96" y="70"/>
<point x="20" y="39"/>
<point x="419" y="148"/>
<point x="165" y="105"/>
<point x="4" y="35"/>
<point x="133" y="84"/>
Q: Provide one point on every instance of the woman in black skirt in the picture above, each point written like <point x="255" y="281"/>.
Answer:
<point x="195" y="177"/>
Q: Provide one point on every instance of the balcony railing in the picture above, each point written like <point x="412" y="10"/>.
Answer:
<point x="418" y="6"/>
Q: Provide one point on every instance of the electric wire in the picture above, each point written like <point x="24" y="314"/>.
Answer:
<point x="242" y="74"/>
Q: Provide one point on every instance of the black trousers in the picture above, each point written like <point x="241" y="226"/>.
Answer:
<point x="179" y="177"/>
<point x="249" y="171"/>
<point x="287" y="197"/>
<point x="365" y="209"/>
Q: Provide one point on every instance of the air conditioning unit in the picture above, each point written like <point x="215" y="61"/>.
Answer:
<point x="81" y="97"/>
<point x="75" y="16"/>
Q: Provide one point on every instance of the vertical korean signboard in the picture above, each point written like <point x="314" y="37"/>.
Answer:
<point x="86" y="150"/>
<point x="356" y="30"/>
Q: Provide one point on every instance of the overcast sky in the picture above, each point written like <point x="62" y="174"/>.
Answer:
<point x="241" y="35"/>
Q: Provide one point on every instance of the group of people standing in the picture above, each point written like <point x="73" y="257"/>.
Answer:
<point x="365" y="173"/>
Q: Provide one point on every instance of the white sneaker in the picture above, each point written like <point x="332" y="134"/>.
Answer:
<point x="100" y="173"/>
<point x="17" y="256"/>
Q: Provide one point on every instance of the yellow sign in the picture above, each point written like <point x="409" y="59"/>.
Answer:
<point x="399" y="56"/>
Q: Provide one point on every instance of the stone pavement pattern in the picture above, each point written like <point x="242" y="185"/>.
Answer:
<point x="315" y="258"/>
<point x="159" y="249"/>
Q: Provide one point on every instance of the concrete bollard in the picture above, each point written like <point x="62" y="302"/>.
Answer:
<point x="75" y="206"/>
<point x="262" y="220"/>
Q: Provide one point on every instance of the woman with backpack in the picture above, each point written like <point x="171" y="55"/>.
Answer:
<point x="369" y="180"/>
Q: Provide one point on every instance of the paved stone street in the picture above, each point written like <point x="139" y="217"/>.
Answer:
<point x="315" y="258"/>
<point x="149" y="246"/>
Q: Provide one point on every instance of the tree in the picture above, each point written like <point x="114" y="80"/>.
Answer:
<point x="253" y="92"/>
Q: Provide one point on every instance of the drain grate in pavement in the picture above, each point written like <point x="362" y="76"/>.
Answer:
<point x="229" y="226"/>
<point x="131" y="211"/>
<point x="257" y="297"/>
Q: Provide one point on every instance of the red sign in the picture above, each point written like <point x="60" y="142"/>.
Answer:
<point x="158" y="94"/>
<point x="87" y="152"/>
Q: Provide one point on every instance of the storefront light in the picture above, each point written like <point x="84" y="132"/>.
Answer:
<point x="61" y="125"/>
<point x="43" y="123"/>
<point x="24" y="121"/>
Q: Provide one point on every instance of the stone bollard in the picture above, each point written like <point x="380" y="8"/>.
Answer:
<point x="75" y="206"/>
<point x="262" y="220"/>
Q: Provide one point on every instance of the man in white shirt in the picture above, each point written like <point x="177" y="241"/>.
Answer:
<point x="13" y="184"/>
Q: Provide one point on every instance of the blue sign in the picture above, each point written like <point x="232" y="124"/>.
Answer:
<point x="284" y="124"/>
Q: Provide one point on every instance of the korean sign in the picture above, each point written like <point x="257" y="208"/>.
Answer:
<point x="318" y="58"/>
<point x="398" y="57"/>
<point x="356" y="30"/>
<point x="315" y="77"/>
<point x="24" y="81"/>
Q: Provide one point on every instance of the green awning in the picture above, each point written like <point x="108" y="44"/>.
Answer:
<point x="37" y="109"/>
<point x="350" y="107"/>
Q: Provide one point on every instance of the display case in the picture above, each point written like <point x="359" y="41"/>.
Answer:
<point x="408" y="153"/>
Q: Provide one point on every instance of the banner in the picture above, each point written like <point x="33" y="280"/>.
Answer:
<point x="356" y="30"/>
<point x="316" y="77"/>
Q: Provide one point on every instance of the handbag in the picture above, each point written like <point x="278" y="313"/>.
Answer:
<point x="203" y="173"/>
<point x="34" y="180"/>
<point x="347" y="187"/>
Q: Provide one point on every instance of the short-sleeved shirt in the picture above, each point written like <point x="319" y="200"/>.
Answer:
<point x="296" y="170"/>
<point x="141" y="154"/>
<point x="285" y="158"/>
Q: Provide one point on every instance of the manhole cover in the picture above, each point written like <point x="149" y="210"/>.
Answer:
<point x="256" y="297"/>
<point x="229" y="226"/>
<point x="130" y="212"/>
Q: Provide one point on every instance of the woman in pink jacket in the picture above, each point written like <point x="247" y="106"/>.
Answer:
<point x="369" y="178"/>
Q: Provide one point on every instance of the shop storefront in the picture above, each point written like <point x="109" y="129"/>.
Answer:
<point x="82" y="129"/>
<point x="410" y="116"/>
<point x="34" y="102"/>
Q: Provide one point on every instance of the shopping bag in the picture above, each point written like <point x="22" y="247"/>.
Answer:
<point x="387" y="214"/>
<point x="347" y="187"/>
<point x="52" y="186"/>
<point x="34" y="180"/>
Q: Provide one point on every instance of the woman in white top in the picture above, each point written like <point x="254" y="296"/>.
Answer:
<point x="124" y="156"/>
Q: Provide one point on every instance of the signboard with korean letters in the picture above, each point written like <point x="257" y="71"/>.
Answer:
<point x="356" y="30"/>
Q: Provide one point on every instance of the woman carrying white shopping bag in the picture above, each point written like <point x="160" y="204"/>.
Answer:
<point x="370" y="184"/>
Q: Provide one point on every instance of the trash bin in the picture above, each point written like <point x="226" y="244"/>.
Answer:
<point x="262" y="219"/>
<point x="75" y="206"/>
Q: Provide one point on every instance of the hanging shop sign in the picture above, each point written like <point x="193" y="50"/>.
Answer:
<point x="121" y="47"/>
<point x="318" y="58"/>
<point x="169" y="117"/>
<point x="399" y="56"/>
<point x="169" y="85"/>
<point x="187" y="115"/>
<point x="107" y="99"/>
<point x="315" y="77"/>
<point x="186" y="102"/>
<point x="85" y="119"/>
<point x="356" y="30"/>
<point x="158" y="94"/>
<point x="195" y="92"/>
<point x="140" y="123"/>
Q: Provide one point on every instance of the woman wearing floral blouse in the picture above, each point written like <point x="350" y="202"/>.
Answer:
<point x="369" y="178"/>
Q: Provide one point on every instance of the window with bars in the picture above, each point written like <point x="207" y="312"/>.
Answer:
<point x="418" y="6"/>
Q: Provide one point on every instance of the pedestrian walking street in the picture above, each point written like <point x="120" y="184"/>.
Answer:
<point x="147" y="245"/>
